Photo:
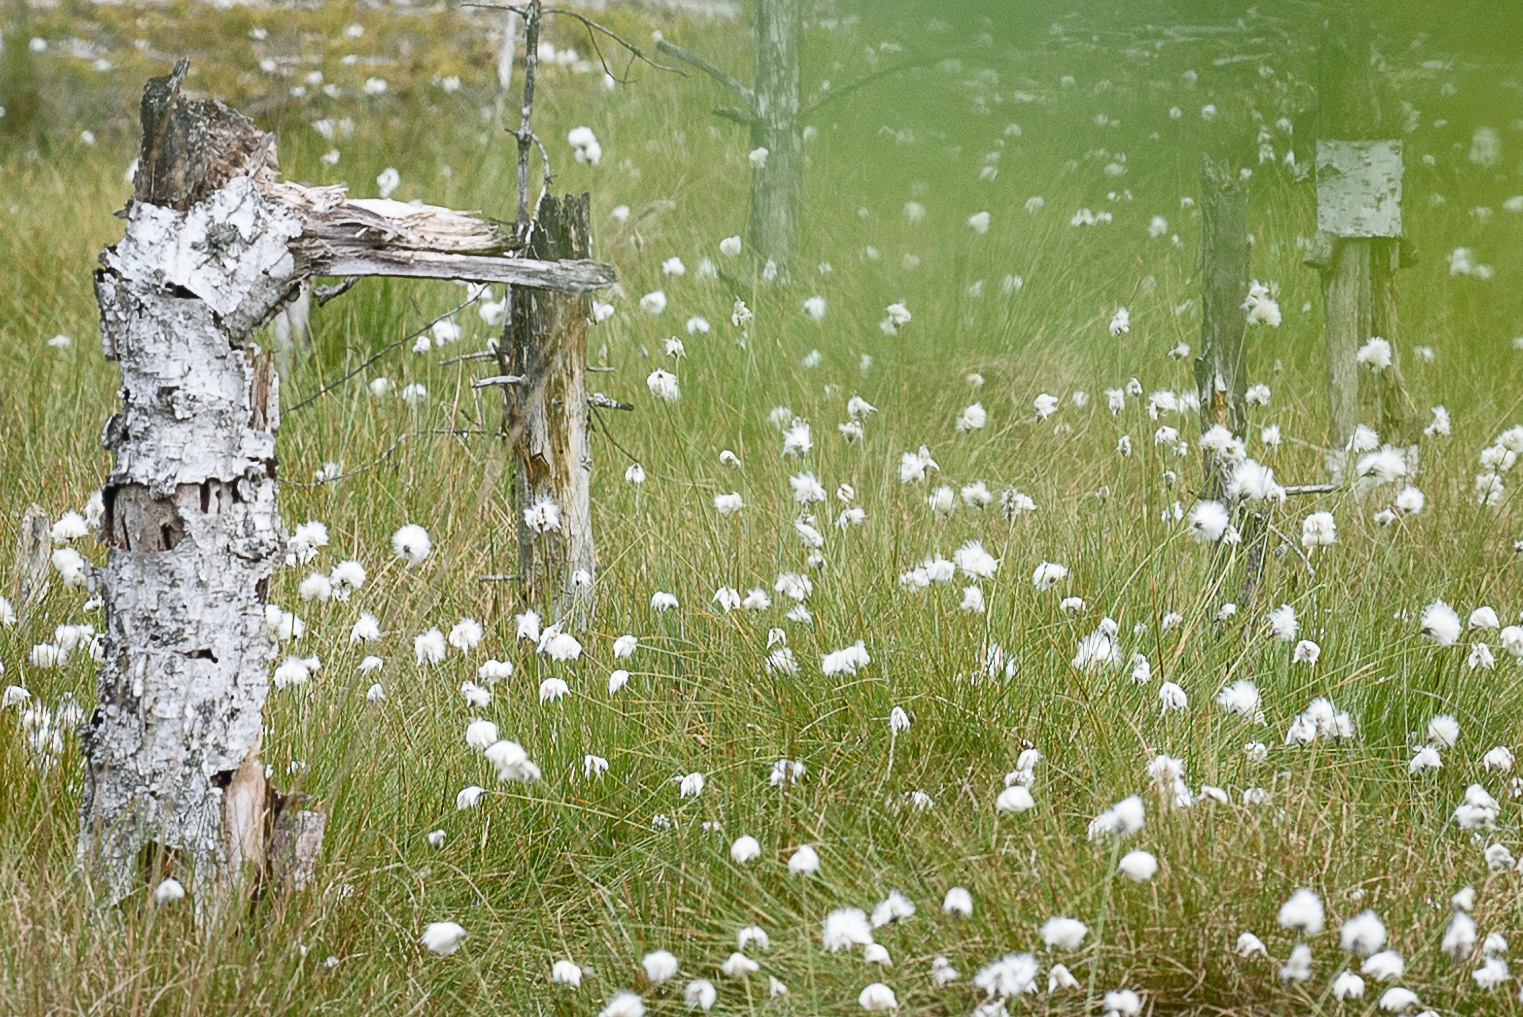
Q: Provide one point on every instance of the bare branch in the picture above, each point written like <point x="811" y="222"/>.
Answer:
<point x="862" y="82"/>
<point x="740" y="116"/>
<point x="602" y="402"/>
<point x="327" y="293"/>
<point x="501" y="379"/>
<point x="592" y="27"/>
<point x="573" y="275"/>
<point x="1313" y="488"/>
<point x="746" y="95"/>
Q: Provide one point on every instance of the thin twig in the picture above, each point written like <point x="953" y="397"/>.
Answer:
<point x="746" y="95"/>
<point x="863" y="81"/>
<point x="1292" y="545"/>
<point x="512" y="578"/>
<point x="377" y="356"/>
<point x="483" y="355"/>
<point x="1313" y="488"/>
<point x="592" y="26"/>
<point x="327" y="293"/>
<point x="404" y="436"/>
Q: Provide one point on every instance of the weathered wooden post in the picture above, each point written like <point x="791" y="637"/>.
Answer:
<point x="1358" y="245"/>
<point x="214" y="246"/>
<point x="546" y="336"/>
<point x="1220" y="368"/>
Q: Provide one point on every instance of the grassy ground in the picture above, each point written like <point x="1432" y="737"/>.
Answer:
<point x="601" y="871"/>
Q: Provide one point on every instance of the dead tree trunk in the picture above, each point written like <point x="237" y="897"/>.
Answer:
<point x="173" y="774"/>
<point x="214" y="246"/>
<point x="1220" y="368"/>
<point x="1359" y="226"/>
<point x="548" y="419"/>
<point x="777" y="183"/>
<point x="770" y="111"/>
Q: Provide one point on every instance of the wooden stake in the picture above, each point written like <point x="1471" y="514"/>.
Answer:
<point x="1220" y="368"/>
<point x="547" y="420"/>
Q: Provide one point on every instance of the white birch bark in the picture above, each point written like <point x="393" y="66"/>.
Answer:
<point x="173" y="774"/>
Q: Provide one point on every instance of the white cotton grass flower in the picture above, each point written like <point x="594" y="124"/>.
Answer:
<point x="512" y="762"/>
<point x="169" y="891"/>
<point x="1048" y="574"/>
<point x="745" y="849"/>
<point x="1208" y="521"/>
<point x="700" y="994"/>
<point x="1441" y="623"/>
<point x="1282" y="623"/>
<point x="443" y="938"/>
<point x="465" y="635"/>
<point x="1297" y="968"/>
<point x="1303" y="912"/>
<point x="1013" y="975"/>
<point x="1399" y="1000"/>
<point x="553" y="689"/>
<point x="877" y="997"/>
<point x="663" y="385"/>
<point x="1318" y="530"/>
<point x="1249" y="945"/>
<point x="893" y="908"/>
<point x="411" y="543"/>
<point x="845" y="928"/>
<point x="1240" y="698"/>
<point x="804" y="861"/>
<point x="1348" y="986"/>
<point x="565" y="972"/>
<point x="1374" y="354"/>
<point x="1443" y="731"/>
<point x="1014" y="799"/>
<point x="1062" y="933"/>
<point x="429" y="647"/>
<point x="1363" y="934"/>
<point x="1121" y="1003"/>
<point x="659" y="965"/>
<point x="1385" y="966"/>
<point x="972" y="418"/>
<point x="689" y="785"/>
<point x="1138" y="866"/>
<point x="623" y="1004"/>
<point x="958" y="902"/>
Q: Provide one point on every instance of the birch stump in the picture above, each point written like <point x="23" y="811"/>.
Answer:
<point x="546" y="347"/>
<point x="173" y="777"/>
<point x="1221" y="368"/>
<point x="215" y="245"/>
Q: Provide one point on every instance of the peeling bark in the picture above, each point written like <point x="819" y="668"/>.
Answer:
<point x="173" y="779"/>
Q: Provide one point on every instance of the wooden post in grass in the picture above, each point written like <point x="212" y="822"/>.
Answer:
<point x="546" y="337"/>
<point x="214" y="246"/>
<point x="1358" y="245"/>
<point x="1220" y="368"/>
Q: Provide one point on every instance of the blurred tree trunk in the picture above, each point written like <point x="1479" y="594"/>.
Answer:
<point x="777" y="185"/>
<point x="19" y="94"/>
<point x="1220" y="368"/>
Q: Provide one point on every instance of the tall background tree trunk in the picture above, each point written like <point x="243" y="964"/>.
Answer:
<point x="777" y="187"/>
<point x="548" y="417"/>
